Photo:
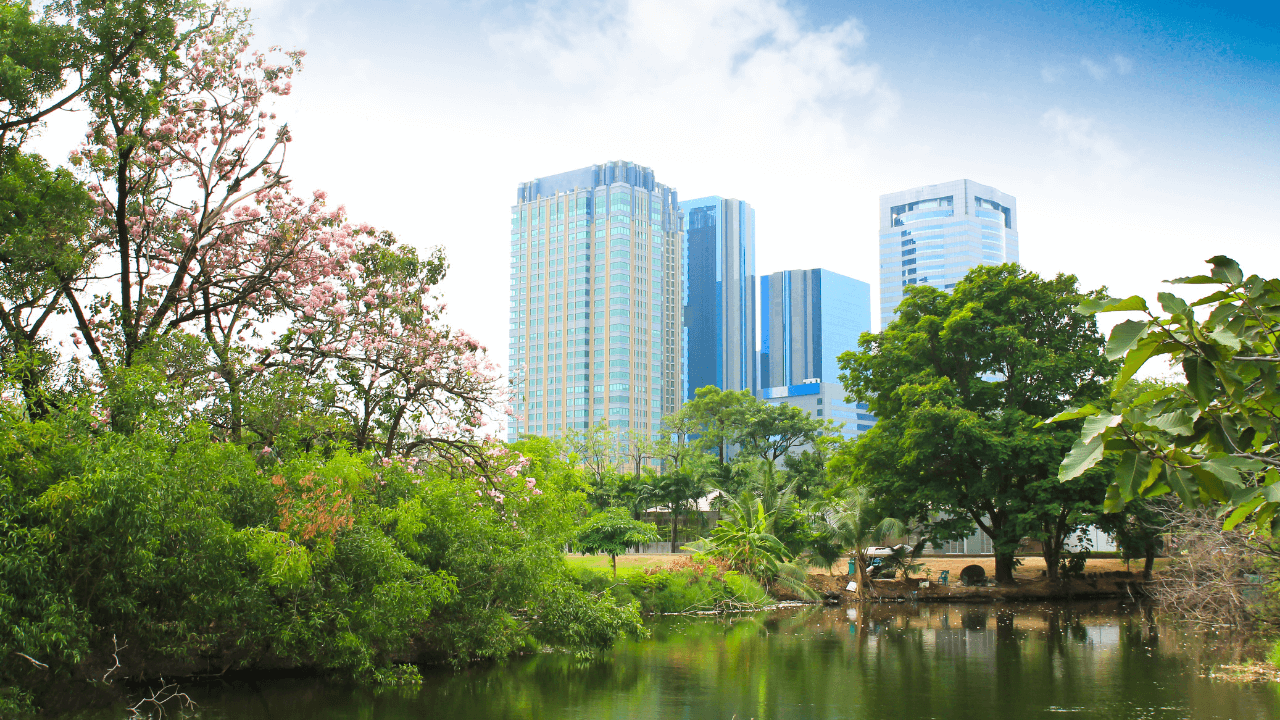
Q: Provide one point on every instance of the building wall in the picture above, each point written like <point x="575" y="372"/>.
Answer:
<point x="809" y="317"/>
<point x="595" y="333"/>
<point x="934" y="234"/>
<point x="720" y="303"/>
<point x="825" y="401"/>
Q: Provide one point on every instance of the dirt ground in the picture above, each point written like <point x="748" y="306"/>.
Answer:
<point x="1030" y="568"/>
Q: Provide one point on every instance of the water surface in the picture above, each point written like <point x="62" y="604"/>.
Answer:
<point x="882" y="662"/>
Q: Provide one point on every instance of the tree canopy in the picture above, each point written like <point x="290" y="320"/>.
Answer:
<point x="959" y="383"/>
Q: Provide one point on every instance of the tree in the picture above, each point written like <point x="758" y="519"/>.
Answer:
<point x="403" y="379"/>
<point x="71" y="52"/>
<point x="1214" y="438"/>
<point x="720" y="415"/>
<point x="959" y="382"/>
<point x="612" y="532"/>
<point x="853" y="525"/>
<point x="770" y="431"/>
<point x="679" y="492"/>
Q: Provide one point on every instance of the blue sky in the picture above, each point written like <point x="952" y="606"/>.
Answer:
<point x="1139" y="139"/>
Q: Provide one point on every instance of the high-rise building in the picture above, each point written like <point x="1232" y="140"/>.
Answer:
<point x="596" y="282"/>
<point x="720" y="299"/>
<point x="807" y="318"/>
<point x="933" y="235"/>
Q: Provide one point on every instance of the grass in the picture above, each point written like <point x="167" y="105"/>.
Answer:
<point x="625" y="562"/>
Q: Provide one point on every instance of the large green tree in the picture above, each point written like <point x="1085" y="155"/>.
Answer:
<point x="960" y="382"/>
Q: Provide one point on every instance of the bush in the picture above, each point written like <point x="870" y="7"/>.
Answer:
<point x="197" y="556"/>
<point x="687" y="589"/>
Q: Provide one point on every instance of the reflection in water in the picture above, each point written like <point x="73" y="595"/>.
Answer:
<point x="877" y="661"/>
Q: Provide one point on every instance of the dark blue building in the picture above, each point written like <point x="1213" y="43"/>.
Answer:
<point x="720" y="298"/>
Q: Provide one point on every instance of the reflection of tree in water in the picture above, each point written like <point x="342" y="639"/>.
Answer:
<point x="1002" y="662"/>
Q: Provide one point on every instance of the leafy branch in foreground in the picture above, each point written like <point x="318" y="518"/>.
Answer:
<point x="1214" y="439"/>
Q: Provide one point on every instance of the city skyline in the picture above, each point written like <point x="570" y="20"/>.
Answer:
<point x="808" y="109"/>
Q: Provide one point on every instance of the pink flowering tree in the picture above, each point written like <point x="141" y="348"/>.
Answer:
<point x="197" y="226"/>
<point x="405" y="382"/>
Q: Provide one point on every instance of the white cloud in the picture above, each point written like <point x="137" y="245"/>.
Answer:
<point x="1052" y="73"/>
<point x="726" y="57"/>
<point x="1098" y="71"/>
<point x="1124" y="65"/>
<point x="1079" y="136"/>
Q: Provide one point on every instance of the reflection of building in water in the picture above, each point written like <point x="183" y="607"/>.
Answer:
<point x="1103" y="635"/>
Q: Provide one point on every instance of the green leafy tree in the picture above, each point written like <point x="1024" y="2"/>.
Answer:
<point x="853" y="525"/>
<point x="612" y="532"/>
<point x="770" y="431"/>
<point x="959" y="382"/>
<point x="721" y="416"/>
<point x="679" y="493"/>
<point x="1214" y="438"/>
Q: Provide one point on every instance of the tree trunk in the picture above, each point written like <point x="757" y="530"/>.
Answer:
<point x="1149" y="562"/>
<point x="864" y="581"/>
<point x="614" y="560"/>
<point x="1004" y="568"/>
<point x="674" y="528"/>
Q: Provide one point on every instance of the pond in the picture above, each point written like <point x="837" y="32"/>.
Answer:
<point x="891" y="662"/>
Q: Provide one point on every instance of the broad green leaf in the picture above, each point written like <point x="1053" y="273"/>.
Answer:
<point x="1226" y="338"/>
<point x="1182" y="483"/>
<point x="1201" y="380"/>
<point x="1113" y="502"/>
<point x="1221" y="314"/>
<point x="1270" y="492"/>
<point x="1153" y="395"/>
<point x="1098" y="425"/>
<point x="1239" y="514"/>
<point x="1074" y="413"/>
<point x="1131" y="471"/>
<point x="1081" y="457"/>
<point x="1138" y="356"/>
<point x="1209" y="483"/>
<point x="1195" y="280"/>
<point x="1175" y="305"/>
<point x="1178" y="422"/>
<point x="1155" y="491"/>
<point x="1092" y="306"/>
<point x="1225" y="470"/>
<point x="1124" y="336"/>
<point x="1226" y="269"/>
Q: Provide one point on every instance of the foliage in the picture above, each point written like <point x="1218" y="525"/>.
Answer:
<point x="1211" y="439"/>
<point x="697" y="588"/>
<point x="853" y="525"/>
<point x="202" y="555"/>
<point x="959" y="382"/>
<point x="611" y="532"/>
<point x="189" y="479"/>
<point x="746" y="539"/>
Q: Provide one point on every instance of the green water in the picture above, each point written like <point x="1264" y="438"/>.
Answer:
<point x="892" y="662"/>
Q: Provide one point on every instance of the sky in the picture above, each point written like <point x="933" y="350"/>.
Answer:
<point x="1138" y="138"/>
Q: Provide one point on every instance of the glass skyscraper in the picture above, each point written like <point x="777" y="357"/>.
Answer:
<point x="596" y="286"/>
<point x="933" y="235"/>
<point x="807" y="318"/>
<point x="720" y="299"/>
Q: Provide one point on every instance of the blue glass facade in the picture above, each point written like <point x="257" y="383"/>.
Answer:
<point x="933" y="235"/>
<point x="720" y="300"/>
<point x="807" y="318"/>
